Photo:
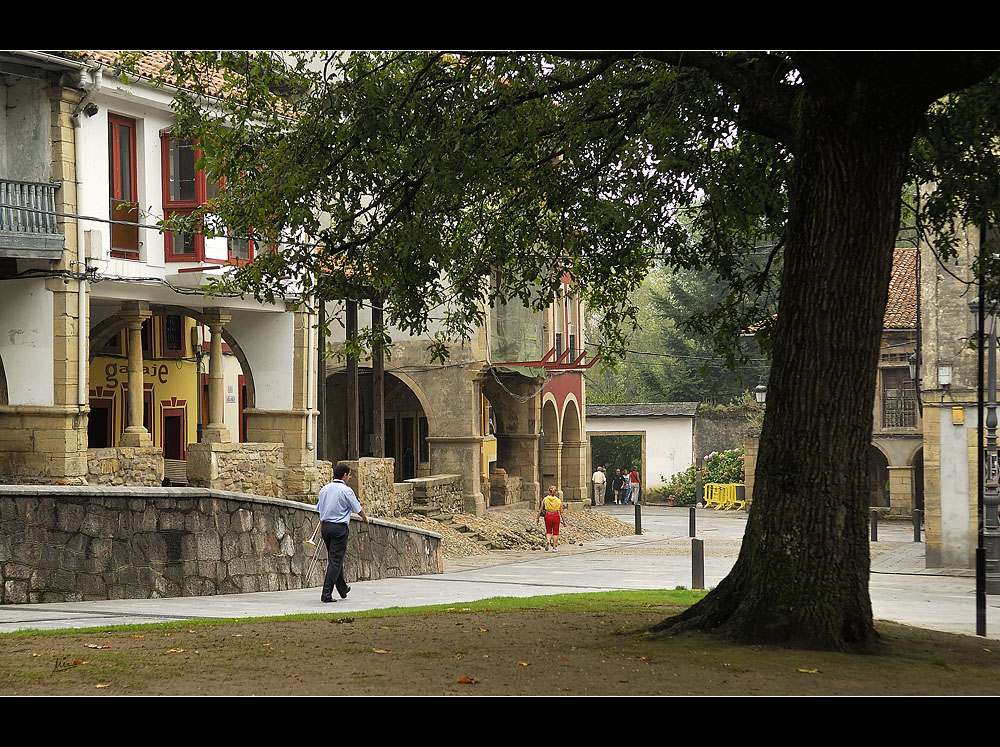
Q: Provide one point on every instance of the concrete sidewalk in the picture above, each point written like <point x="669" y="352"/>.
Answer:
<point x="901" y="588"/>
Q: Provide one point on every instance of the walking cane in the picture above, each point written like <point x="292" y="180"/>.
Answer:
<point x="312" y="539"/>
<point x="315" y="558"/>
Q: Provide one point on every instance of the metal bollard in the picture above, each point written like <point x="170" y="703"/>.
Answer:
<point x="691" y="522"/>
<point x="918" y="517"/>
<point x="874" y="525"/>
<point x="638" y="519"/>
<point x="697" y="564"/>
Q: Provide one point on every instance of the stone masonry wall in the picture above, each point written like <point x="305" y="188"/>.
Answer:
<point x="372" y="480"/>
<point x="126" y="465"/>
<point x="90" y="543"/>
<point x="43" y="445"/>
<point x="718" y="432"/>
<point x="504" y="489"/>
<point x="443" y="492"/>
<point x="256" y="468"/>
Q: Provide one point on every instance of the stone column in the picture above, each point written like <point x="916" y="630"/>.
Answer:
<point x="216" y="431"/>
<point x="135" y="434"/>
<point x="750" y="447"/>
<point x="572" y="470"/>
<point x="901" y="489"/>
<point x="524" y="463"/>
<point x="461" y="455"/>
<point x="551" y="465"/>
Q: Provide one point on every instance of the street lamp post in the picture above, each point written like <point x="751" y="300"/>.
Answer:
<point x="986" y="329"/>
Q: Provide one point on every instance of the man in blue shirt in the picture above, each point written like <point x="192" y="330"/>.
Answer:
<point x="335" y="504"/>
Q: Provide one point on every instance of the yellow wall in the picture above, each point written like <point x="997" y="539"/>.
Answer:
<point x="174" y="385"/>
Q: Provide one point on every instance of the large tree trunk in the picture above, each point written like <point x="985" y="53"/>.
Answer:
<point x="802" y="573"/>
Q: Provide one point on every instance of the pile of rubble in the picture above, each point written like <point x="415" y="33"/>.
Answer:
<point x="464" y="535"/>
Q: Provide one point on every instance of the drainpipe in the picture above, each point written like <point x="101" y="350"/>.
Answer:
<point x="310" y="383"/>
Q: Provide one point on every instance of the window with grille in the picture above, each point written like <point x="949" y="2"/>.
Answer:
<point x="899" y="400"/>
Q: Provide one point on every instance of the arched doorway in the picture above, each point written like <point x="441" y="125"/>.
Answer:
<point x="878" y="477"/>
<point x="551" y="446"/>
<point x="407" y="426"/>
<point x="574" y="450"/>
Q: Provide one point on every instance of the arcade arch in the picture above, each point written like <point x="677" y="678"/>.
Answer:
<point x="510" y="436"/>
<point x="573" y="454"/>
<point x="878" y="477"/>
<point x="406" y="417"/>
<point x="551" y="444"/>
<point x="176" y="396"/>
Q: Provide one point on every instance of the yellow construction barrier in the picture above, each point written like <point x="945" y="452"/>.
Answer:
<point x="723" y="496"/>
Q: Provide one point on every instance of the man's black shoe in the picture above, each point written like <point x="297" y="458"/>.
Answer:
<point x="343" y="594"/>
<point x="327" y="599"/>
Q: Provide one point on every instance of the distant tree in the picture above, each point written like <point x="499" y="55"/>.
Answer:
<point x="616" y="452"/>
<point x="670" y="357"/>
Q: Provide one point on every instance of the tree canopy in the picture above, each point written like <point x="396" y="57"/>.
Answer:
<point x="423" y="173"/>
<point x="425" y="169"/>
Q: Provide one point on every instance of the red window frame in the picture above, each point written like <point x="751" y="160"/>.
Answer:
<point x="172" y="207"/>
<point x="251" y="252"/>
<point x="123" y="187"/>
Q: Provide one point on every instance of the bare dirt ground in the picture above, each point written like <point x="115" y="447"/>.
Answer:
<point x="515" y="529"/>
<point x="471" y="651"/>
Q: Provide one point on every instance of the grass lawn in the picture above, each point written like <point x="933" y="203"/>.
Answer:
<point x="573" y="644"/>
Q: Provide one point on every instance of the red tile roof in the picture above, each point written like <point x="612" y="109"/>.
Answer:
<point x="150" y="64"/>
<point x="901" y="310"/>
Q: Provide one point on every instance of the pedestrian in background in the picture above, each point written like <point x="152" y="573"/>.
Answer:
<point x="626" y="487"/>
<point x="616" y="485"/>
<point x="597" y="494"/>
<point x="552" y="510"/>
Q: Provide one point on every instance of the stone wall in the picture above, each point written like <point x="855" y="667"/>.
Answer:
<point x="372" y="481"/>
<point x="43" y="444"/>
<point x="89" y="543"/>
<point x="126" y="465"/>
<point x="256" y="468"/>
<point x="504" y="489"/>
<point x="404" y="495"/>
<point x="718" y="431"/>
<point x="443" y="492"/>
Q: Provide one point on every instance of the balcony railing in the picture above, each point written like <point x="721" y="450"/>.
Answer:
<point x="28" y="226"/>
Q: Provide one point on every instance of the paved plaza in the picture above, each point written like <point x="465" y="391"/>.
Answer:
<point x="901" y="588"/>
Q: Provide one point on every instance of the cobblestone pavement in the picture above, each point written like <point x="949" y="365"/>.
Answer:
<point x="901" y="588"/>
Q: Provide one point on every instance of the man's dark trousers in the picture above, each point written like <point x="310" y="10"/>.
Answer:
<point x="335" y="536"/>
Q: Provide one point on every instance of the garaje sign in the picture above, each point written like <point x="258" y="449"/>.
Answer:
<point x="114" y="371"/>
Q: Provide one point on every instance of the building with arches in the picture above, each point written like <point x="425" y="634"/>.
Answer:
<point x="505" y="412"/>
<point x="108" y="341"/>
<point x="114" y="367"/>
<point x="896" y="453"/>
